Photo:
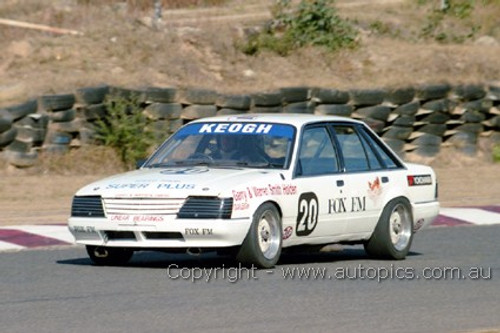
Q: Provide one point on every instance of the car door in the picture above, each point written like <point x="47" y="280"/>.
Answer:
<point x="367" y="177"/>
<point x="317" y="172"/>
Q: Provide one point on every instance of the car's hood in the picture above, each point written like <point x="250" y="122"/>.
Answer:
<point x="176" y="182"/>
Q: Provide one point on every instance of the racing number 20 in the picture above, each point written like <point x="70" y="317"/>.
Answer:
<point x="307" y="218"/>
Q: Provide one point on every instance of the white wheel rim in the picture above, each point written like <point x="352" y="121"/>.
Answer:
<point x="400" y="227"/>
<point x="268" y="235"/>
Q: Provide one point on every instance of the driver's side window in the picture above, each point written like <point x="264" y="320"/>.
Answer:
<point x="317" y="154"/>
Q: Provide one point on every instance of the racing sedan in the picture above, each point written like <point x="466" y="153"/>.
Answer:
<point x="252" y="185"/>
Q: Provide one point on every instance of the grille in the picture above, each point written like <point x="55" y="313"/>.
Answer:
<point x="206" y="208"/>
<point x="89" y="206"/>
<point x="142" y="206"/>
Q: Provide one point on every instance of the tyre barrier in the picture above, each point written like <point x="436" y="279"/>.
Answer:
<point x="418" y="120"/>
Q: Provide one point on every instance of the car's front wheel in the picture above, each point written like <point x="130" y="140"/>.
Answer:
<point x="262" y="245"/>
<point x="108" y="256"/>
<point x="394" y="232"/>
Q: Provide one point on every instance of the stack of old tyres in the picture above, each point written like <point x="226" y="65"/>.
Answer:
<point x="430" y="119"/>
<point x="198" y="103"/>
<point x="331" y="102"/>
<point x="465" y="124"/>
<point x="63" y="125"/>
<point x="297" y="100"/>
<point x="492" y="122"/>
<point x="399" y="125"/>
<point x="228" y="104"/>
<point x="267" y="102"/>
<point x="369" y="109"/>
<point x="24" y="135"/>
<point x="161" y="109"/>
<point x="90" y="107"/>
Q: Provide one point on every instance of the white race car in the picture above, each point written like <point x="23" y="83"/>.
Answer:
<point x="251" y="185"/>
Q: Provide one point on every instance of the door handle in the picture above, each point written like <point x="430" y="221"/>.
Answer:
<point x="385" y="179"/>
<point x="340" y="183"/>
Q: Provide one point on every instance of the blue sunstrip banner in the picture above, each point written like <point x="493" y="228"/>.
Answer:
<point x="276" y="130"/>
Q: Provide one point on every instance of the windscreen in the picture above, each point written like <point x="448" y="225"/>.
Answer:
<point x="257" y="145"/>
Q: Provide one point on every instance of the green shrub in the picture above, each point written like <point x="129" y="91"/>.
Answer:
<point x="125" y="129"/>
<point x="453" y="24"/>
<point x="496" y="153"/>
<point x="313" y="23"/>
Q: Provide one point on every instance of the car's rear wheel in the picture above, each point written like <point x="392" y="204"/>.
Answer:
<point x="262" y="245"/>
<point x="394" y="232"/>
<point x="108" y="256"/>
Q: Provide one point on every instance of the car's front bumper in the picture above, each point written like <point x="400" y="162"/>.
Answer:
<point x="171" y="233"/>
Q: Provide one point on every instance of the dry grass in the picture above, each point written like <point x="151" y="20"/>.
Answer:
<point x="196" y="48"/>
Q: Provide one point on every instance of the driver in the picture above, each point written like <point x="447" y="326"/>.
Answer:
<point x="228" y="145"/>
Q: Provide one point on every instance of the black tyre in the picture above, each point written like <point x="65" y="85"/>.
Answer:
<point x="494" y="92"/>
<point x="367" y="97"/>
<point x="30" y="134"/>
<point x="330" y="96"/>
<point x="92" y="95"/>
<point x="405" y="121"/>
<point x="394" y="232"/>
<point x="435" y="118"/>
<point x="267" y="99"/>
<point x="462" y="139"/>
<point x="435" y="91"/>
<point x="443" y="105"/>
<point x="473" y="117"/>
<point x="299" y="107"/>
<point x="125" y="93"/>
<point x="199" y="96"/>
<point x="409" y="109"/>
<point x="62" y="116"/>
<point x="92" y="112"/>
<point x="159" y="111"/>
<point x="469" y="92"/>
<point x="57" y="102"/>
<point x="395" y="144"/>
<point x="400" y="96"/>
<point x="473" y="128"/>
<point x="22" y="110"/>
<point x="398" y="132"/>
<point x="108" y="256"/>
<point x="237" y="102"/>
<point x="481" y="105"/>
<point x="295" y="94"/>
<point x="427" y="150"/>
<point x="160" y="95"/>
<point x="6" y="120"/>
<point x="198" y="111"/>
<point x="434" y="129"/>
<point x="262" y="245"/>
<point x="378" y="112"/>
<point x="34" y="120"/>
<point x="428" y="139"/>
<point x="376" y="125"/>
<point x="8" y="136"/>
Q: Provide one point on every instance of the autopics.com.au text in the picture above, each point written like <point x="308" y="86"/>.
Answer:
<point x="360" y="272"/>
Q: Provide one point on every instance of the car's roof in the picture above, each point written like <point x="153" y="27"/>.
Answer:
<point x="297" y="120"/>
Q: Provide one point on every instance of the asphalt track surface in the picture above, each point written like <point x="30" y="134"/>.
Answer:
<point x="58" y="290"/>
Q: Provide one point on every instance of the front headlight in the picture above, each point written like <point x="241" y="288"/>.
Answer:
<point x="206" y="208"/>
<point x="87" y="206"/>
